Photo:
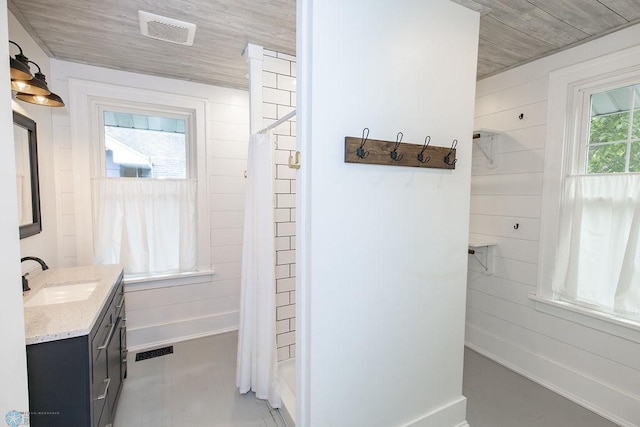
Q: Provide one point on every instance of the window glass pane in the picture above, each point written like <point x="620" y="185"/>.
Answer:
<point x="609" y="128"/>
<point x="607" y="158"/>
<point x="144" y="146"/>
<point x="634" y="161"/>
<point x="635" y="133"/>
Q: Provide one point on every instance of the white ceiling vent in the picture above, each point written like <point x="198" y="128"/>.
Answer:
<point x="167" y="29"/>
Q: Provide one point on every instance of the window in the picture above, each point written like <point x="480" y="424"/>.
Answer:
<point x="88" y="143"/>
<point x="144" y="202"/>
<point x="613" y="130"/>
<point x="595" y="241"/>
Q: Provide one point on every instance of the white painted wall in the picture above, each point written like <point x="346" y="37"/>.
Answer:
<point x="596" y="369"/>
<point x="382" y="250"/>
<point x="13" y="369"/>
<point x="161" y="312"/>
<point x="42" y="245"/>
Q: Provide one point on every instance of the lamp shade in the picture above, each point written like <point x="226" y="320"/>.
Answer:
<point x="19" y="70"/>
<point x="31" y="89"/>
<point x="34" y="86"/>
<point x="51" y="100"/>
<point x="20" y="65"/>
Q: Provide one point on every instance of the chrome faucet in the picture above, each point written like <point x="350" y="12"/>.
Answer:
<point x="25" y="282"/>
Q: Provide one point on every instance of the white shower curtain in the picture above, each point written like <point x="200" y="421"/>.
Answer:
<point x="257" y="363"/>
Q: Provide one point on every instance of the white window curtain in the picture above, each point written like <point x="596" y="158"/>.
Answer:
<point x="598" y="259"/>
<point x="147" y="225"/>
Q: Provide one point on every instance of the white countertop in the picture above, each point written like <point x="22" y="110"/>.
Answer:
<point x="71" y="319"/>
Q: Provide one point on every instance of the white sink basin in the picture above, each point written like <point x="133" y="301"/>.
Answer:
<point x="58" y="294"/>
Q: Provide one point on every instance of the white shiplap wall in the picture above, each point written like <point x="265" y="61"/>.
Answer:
<point x="597" y="370"/>
<point x="200" y="306"/>
<point x="279" y="99"/>
<point x="43" y="244"/>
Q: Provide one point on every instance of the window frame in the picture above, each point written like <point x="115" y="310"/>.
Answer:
<point x="84" y="95"/>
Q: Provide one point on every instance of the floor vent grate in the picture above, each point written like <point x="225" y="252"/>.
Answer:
<point x="154" y="353"/>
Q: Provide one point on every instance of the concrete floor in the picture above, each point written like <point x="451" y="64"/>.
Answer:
<point x="195" y="386"/>
<point x="498" y="397"/>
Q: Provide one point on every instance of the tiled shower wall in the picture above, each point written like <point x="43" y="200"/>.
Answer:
<point x="279" y="98"/>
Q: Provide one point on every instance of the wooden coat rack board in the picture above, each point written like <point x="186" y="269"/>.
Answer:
<point x="378" y="152"/>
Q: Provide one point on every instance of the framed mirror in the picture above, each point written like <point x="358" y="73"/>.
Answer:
<point x="26" y="151"/>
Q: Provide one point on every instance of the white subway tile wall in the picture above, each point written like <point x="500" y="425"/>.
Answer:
<point x="279" y="95"/>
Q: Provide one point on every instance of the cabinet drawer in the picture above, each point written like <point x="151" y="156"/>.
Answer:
<point x="99" y="376"/>
<point x="103" y="333"/>
<point x="100" y="381"/>
<point x="119" y="301"/>
<point x="100" y="388"/>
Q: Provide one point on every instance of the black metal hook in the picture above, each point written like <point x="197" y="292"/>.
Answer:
<point x="360" y="151"/>
<point x="447" y="158"/>
<point x="421" y="157"/>
<point x="394" y="154"/>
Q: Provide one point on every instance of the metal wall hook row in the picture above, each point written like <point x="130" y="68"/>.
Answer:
<point x="360" y="151"/>
<point x="394" y="154"/>
<point x="447" y="158"/>
<point x="421" y="157"/>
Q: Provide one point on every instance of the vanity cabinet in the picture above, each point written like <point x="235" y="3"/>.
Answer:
<point x="77" y="381"/>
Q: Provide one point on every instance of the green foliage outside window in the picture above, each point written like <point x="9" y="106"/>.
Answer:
<point x="607" y="159"/>
<point x="613" y="129"/>
<point x="634" y="164"/>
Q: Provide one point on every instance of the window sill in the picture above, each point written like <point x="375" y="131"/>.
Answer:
<point x="139" y="283"/>
<point x="620" y="327"/>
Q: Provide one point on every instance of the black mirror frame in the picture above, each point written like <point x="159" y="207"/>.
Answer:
<point x="36" y="226"/>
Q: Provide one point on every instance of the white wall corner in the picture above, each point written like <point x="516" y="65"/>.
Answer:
<point x="470" y="4"/>
<point x="254" y="56"/>
<point x="253" y="51"/>
<point x="451" y="414"/>
<point x="13" y="371"/>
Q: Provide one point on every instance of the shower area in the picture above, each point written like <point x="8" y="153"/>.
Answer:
<point x="273" y="123"/>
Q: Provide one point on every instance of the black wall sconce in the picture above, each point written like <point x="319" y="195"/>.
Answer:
<point x="31" y="88"/>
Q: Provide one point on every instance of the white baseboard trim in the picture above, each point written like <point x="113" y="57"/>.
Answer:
<point x="286" y="416"/>
<point x="156" y="335"/>
<point x="491" y="348"/>
<point x="452" y="414"/>
<point x="165" y="343"/>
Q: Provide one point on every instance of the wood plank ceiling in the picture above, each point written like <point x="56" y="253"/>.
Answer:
<point x="106" y="33"/>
